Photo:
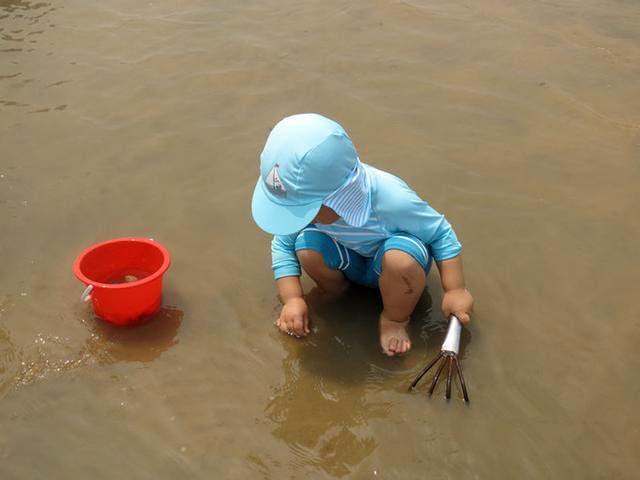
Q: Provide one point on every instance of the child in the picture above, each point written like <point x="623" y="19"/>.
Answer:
<point x="345" y="221"/>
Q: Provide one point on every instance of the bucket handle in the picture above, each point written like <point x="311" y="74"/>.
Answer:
<point x="86" y="295"/>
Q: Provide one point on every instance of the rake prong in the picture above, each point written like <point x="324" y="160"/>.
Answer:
<point x="424" y="371"/>
<point x="464" y="386"/>
<point x="437" y="376"/>
<point x="449" y="374"/>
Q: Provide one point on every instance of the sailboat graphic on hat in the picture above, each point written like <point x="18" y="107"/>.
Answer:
<point x="274" y="183"/>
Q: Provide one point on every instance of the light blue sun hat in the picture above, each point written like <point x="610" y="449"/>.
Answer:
<point x="306" y="158"/>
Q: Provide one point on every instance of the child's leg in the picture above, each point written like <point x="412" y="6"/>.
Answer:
<point x="402" y="264"/>
<point x="324" y="261"/>
<point x="332" y="282"/>
<point x="401" y="283"/>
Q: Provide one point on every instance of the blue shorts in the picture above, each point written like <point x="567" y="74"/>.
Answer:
<point x="358" y="269"/>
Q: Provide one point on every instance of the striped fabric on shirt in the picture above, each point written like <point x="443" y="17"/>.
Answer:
<point x="364" y="240"/>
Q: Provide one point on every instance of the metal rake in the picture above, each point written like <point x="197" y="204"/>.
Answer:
<point x="448" y="357"/>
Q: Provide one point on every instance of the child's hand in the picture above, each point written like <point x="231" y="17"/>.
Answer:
<point x="458" y="302"/>
<point x="293" y="318"/>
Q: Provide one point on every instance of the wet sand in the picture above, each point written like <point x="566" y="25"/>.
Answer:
<point x="518" y="120"/>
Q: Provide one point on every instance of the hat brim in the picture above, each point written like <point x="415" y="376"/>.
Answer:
<point x="280" y="219"/>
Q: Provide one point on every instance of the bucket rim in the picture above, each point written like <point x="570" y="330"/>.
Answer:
<point x="166" y="262"/>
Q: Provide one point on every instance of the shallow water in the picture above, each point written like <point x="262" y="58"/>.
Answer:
<point x="519" y="120"/>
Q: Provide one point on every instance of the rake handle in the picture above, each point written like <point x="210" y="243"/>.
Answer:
<point x="452" y="340"/>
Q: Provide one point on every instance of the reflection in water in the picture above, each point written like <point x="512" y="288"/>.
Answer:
<point x="323" y="422"/>
<point x="106" y="345"/>
<point x="143" y="343"/>
<point x="321" y="410"/>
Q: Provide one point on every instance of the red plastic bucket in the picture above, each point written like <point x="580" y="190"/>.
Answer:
<point x="123" y="278"/>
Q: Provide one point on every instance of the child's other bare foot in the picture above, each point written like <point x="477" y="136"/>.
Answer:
<point x="394" y="338"/>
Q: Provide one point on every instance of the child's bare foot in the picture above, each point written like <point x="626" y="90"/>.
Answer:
<point x="394" y="338"/>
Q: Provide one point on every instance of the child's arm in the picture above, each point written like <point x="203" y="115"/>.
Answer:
<point x="293" y="317"/>
<point x="456" y="300"/>
<point x="402" y="210"/>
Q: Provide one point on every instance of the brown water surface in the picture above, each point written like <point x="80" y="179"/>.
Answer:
<point x="520" y="120"/>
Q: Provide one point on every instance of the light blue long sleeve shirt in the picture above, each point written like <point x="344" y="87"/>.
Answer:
<point x="395" y="208"/>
